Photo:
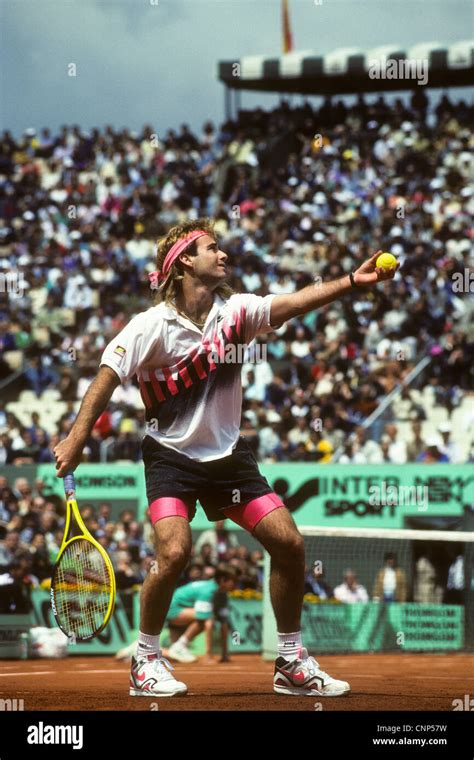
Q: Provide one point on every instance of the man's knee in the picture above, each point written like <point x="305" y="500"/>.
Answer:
<point x="288" y="548"/>
<point x="173" y="557"/>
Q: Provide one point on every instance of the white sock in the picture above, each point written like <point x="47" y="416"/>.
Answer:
<point x="148" y="645"/>
<point x="289" y="644"/>
<point x="183" y="640"/>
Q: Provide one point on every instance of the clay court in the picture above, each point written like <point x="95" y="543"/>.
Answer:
<point x="379" y="682"/>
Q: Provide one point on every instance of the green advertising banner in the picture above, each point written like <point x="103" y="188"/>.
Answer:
<point x="364" y="496"/>
<point x="11" y="629"/>
<point x="367" y="496"/>
<point x="123" y="485"/>
<point x="374" y="627"/>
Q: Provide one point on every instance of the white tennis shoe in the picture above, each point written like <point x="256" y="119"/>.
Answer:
<point x="150" y="676"/>
<point x="180" y="653"/>
<point x="302" y="676"/>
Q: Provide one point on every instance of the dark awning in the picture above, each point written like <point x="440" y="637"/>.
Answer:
<point x="349" y="70"/>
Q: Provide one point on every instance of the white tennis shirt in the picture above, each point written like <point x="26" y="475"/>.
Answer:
<point x="190" y="380"/>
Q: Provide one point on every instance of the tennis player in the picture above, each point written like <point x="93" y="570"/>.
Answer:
<point x="193" y="448"/>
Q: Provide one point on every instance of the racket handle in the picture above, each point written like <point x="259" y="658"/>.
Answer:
<point x="69" y="483"/>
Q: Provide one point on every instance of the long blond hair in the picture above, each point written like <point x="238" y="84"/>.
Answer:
<point x="171" y="287"/>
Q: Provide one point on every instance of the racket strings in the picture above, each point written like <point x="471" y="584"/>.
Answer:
<point x="82" y="587"/>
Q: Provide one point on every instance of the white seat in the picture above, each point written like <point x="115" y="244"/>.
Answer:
<point x="437" y="414"/>
<point x="51" y="394"/>
<point x="27" y="397"/>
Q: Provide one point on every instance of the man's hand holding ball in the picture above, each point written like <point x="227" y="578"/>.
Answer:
<point x="381" y="266"/>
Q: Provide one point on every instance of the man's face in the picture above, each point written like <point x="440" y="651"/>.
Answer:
<point x="351" y="579"/>
<point x="209" y="264"/>
<point x="12" y="540"/>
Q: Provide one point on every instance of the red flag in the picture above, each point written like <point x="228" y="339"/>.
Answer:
<point x="287" y="36"/>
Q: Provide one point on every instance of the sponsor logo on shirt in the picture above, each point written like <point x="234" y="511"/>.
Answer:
<point x="120" y="351"/>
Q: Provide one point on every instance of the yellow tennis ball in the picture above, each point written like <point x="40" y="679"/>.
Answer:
<point x="386" y="261"/>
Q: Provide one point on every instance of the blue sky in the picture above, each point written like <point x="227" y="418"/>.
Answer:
<point x="155" y="61"/>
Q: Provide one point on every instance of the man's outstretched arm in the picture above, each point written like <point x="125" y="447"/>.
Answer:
<point x="68" y="453"/>
<point x="312" y="297"/>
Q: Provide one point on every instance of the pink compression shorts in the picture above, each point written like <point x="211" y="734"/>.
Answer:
<point x="246" y="515"/>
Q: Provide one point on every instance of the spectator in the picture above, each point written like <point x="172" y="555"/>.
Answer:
<point x="390" y="583"/>
<point x="426" y="589"/>
<point x="448" y="447"/>
<point x="433" y="453"/>
<point x="269" y="437"/>
<point x="220" y="539"/>
<point x="316" y="584"/>
<point x="397" y="448"/>
<point x="454" y="593"/>
<point x="350" y="591"/>
<point x="9" y="547"/>
<point x="14" y="597"/>
<point x="417" y="445"/>
<point x="40" y="375"/>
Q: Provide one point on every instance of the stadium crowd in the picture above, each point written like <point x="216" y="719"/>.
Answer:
<point x="298" y="193"/>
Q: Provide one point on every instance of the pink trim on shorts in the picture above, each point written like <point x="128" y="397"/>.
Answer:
<point x="248" y="515"/>
<point x="167" y="506"/>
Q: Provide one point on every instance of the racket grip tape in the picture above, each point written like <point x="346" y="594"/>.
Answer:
<point x="69" y="483"/>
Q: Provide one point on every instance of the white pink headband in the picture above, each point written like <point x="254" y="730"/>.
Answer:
<point x="172" y="255"/>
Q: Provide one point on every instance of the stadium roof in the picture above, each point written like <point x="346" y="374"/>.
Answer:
<point x="349" y="70"/>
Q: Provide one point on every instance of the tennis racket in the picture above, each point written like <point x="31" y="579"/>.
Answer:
<point x="83" y="582"/>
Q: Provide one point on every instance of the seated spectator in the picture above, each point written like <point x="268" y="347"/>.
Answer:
<point x="433" y="454"/>
<point x="300" y="432"/>
<point x="315" y="584"/>
<point x="41" y="564"/>
<point x="368" y="448"/>
<point x="40" y="375"/>
<point x="350" y="591"/>
<point x="449" y="447"/>
<point x="35" y="428"/>
<point x="426" y="589"/>
<point x="397" y="449"/>
<point x="417" y="445"/>
<point x="220" y="539"/>
<point x="135" y="541"/>
<point x="9" y="548"/>
<point x="125" y="575"/>
<point x="103" y="513"/>
<point x="14" y="595"/>
<point x="390" y="583"/>
<point x="205" y="555"/>
<point x="269" y="437"/>
<point x="454" y="593"/>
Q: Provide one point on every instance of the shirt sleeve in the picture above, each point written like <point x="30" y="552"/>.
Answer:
<point x="203" y="606"/>
<point x="130" y="348"/>
<point x="255" y="313"/>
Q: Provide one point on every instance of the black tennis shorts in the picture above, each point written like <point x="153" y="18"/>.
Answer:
<point x="216" y="484"/>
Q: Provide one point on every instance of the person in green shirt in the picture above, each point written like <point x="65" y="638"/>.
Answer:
<point x="196" y="607"/>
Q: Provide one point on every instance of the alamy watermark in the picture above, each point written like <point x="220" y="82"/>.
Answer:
<point x="463" y="282"/>
<point x="238" y="353"/>
<point x="403" y="496"/>
<point x="11" y="705"/>
<point x="403" y="68"/>
<point x="13" y="283"/>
